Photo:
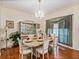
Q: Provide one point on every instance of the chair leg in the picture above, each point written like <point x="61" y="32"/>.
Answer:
<point x="31" y="55"/>
<point x="55" y="52"/>
<point x="36" y="55"/>
<point x="22" y="56"/>
<point x="48" y="55"/>
<point x="19" y="56"/>
<point x="26" y="56"/>
<point x="42" y="56"/>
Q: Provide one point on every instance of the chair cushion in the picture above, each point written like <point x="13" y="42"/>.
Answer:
<point x="53" y="45"/>
<point x="25" y="51"/>
<point x="41" y="50"/>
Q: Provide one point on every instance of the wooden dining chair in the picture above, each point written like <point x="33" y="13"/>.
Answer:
<point x="43" y="50"/>
<point x="23" y="50"/>
<point x="54" y="46"/>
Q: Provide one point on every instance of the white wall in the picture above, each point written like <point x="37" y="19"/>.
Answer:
<point x="16" y="16"/>
<point x="75" y="29"/>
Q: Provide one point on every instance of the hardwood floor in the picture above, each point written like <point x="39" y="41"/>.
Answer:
<point x="64" y="53"/>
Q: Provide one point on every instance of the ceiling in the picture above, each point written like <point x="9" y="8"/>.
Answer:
<point x="31" y="6"/>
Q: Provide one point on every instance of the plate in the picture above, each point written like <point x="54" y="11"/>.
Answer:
<point x="50" y="37"/>
<point x="34" y="37"/>
<point x="39" y="40"/>
<point x="27" y="41"/>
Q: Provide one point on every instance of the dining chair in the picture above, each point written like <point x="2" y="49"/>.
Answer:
<point x="23" y="50"/>
<point x="54" y="46"/>
<point x="43" y="49"/>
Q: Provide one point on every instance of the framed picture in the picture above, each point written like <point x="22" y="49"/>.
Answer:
<point x="27" y="28"/>
<point x="38" y="26"/>
<point x="10" y="24"/>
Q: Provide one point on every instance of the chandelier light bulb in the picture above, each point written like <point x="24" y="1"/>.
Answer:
<point x="39" y="14"/>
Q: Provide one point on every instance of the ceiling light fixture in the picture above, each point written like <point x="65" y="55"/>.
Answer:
<point x="39" y="14"/>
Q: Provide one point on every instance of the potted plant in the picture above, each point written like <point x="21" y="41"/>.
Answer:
<point x="13" y="36"/>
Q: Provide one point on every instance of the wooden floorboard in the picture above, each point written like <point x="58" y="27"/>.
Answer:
<point x="64" y="53"/>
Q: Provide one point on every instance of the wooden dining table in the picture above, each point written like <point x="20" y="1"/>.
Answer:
<point x="35" y="42"/>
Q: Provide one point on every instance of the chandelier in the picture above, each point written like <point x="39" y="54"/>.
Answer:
<point x="39" y="13"/>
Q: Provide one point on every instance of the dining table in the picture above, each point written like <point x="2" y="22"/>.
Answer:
<point x="35" y="42"/>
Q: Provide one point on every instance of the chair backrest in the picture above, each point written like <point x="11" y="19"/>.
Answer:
<point x="46" y="44"/>
<point x="55" y="42"/>
<point x="20" y="44"/>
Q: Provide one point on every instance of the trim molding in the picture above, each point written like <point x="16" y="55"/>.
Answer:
<point x="68" y="47"/>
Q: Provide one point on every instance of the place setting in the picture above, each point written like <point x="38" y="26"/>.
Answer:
<point x="28" y="40"/>
<point x="40" y="39"/>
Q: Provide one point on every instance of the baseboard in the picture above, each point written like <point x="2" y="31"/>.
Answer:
<point x="68" y="47"/>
